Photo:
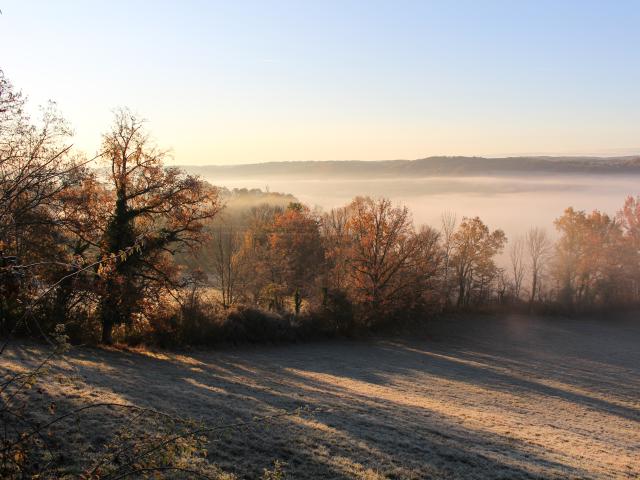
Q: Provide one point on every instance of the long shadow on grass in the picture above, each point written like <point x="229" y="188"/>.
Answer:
<point x="356" y="428"/>
<point x="398" y="439"/>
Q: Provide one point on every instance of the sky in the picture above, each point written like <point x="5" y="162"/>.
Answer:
<point x="234" y="82"/>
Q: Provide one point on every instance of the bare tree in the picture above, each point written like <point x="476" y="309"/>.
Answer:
<point x="35" y="166"/>
<point x="518" y="265"/>
<point x="538" y="248"/>
<point x="448" y="223"/>
<point x="227" y="262"/>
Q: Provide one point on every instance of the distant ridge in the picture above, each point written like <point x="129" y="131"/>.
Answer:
<point x="427" y="167"/>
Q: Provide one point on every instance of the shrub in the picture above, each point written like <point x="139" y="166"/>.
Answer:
<point x="247" y="324"/>
<point x="339" y="311"/>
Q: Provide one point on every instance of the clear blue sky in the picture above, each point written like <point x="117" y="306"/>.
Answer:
<point x="236" y="82"/>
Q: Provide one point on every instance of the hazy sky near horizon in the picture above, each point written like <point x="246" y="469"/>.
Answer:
<point x="252" y="81"/>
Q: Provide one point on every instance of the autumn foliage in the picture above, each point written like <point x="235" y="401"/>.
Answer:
<point x="121" y="246"/>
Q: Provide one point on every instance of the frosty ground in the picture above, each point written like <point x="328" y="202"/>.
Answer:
<point x="482" y="397"/>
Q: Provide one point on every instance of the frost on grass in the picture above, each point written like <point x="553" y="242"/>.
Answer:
<point x="480" y="397"/>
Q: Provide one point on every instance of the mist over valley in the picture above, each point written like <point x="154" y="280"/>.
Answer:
<point x="543" y="187"/>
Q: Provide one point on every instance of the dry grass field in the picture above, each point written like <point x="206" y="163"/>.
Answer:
<point x="511" y="397"/>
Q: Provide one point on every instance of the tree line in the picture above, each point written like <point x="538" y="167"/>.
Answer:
<point x="122" y="244"/>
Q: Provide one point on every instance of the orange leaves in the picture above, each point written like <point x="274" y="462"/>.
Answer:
<point x="377" y="255"/>
<point x="162" y="204"/>
<point x="593" y="256"/>
<point x="474" y="247"/>
<point x="629" y="218"/>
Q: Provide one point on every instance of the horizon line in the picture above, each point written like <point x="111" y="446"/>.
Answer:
<point x="488" y="157"/>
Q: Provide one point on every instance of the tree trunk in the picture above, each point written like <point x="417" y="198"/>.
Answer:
<point x="461" y="292"/>
<point x="534" y="286"/>
<point x="297" y="301"/>
<point x="119" y="296"/>
<point x="60" y="302"/>
<point x="107" y="330"/>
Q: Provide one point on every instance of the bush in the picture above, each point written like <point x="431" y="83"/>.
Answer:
<point x="338" y="310"/>
<point x="247" y="324"/>
<point x="199" y="322"/>
<point x="203" y="322"/>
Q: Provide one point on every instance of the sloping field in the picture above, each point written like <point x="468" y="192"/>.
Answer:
<point x="512" y="397"/>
